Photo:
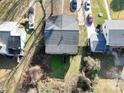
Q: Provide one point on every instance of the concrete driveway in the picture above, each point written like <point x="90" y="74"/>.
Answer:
<point x="80" y="12"/>
<point x="90" y="29"/>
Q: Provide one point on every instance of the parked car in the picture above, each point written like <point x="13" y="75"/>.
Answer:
<point x="87" y="5"/>
<point x="99" y="28"/>
<point x="31" y="18"/>
<point x="89" y="19"/>
<point x="73" y="5"/>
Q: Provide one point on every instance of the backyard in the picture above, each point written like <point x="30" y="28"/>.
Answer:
<point x="116" y="8"/>
<point x="98" y="7"/>
<point x="59" y="66"/>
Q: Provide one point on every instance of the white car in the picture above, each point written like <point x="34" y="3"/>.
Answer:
<point x="31" y="18"/>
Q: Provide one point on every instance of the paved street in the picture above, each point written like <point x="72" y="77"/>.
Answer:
<point x="90" y="29"/>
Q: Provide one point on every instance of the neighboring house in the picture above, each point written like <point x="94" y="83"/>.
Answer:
<point x="113" y="31"/>
<point x="61" y="35"/>
<point x="12" y="39"/>
<point x="112" y="36"/>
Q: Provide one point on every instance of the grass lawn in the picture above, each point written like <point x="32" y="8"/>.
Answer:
<point x="116" y="8"/>
<point x="82" y="36"/>
<point x="58" y="67"/>
<point x="98" y="7"/>
<point x="74" y="67"/>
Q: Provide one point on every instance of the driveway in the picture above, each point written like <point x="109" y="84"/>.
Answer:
<point x="90" y="29"/>
<point x="80" y="12"/>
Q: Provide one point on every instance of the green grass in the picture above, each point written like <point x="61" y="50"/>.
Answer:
<point x="58" y="67"/>
<point x="98" y="7"/>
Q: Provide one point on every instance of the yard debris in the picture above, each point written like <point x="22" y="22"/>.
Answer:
<point x="89" y="64"/>
<point x="71" y="85"/>
<point x="29" y="79"/>
<point x="32" y="90"/>
<point x="100" y="14"/>
<point x="36" y="73"/>
<point x="90" y="67"/>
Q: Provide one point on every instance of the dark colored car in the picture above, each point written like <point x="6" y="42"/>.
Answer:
<point x="99" y="28"/>
<point x="86" y="5"/>
<point x="73" y="5"/>
<point x="89" y="19"/>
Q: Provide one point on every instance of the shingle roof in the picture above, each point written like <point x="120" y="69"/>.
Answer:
<point x="61" y="22"/>
<point x="62" y="38"/>
<point x="115" y="32"/>
<point x="14" y="42"/>
<point x="115" y="24"/>
<point x="14" y="45"/>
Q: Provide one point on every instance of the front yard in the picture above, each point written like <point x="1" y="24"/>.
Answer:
<point x="98" y="7"/>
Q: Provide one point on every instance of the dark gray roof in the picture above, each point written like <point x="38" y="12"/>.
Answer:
<point x="114" y="32"/>
<point x="14" y="45"/>
<point x="14" y="42"/>
<point x="62" y="38"/>
<point x="62" y="22"/>
<point x="4" y="37"/>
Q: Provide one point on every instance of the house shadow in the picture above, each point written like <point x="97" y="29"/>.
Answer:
<point x="7" y="62"/>
<point x="54" y="66"/>
<point x="117" y="5"/>
<point x="83" y="51"/>
<point x="108" y="69"/>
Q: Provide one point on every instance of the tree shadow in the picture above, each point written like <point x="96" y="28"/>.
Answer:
<point x="108" y="69"/>
<point x="117" y="5"/>
<point x="7" y="62"/>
